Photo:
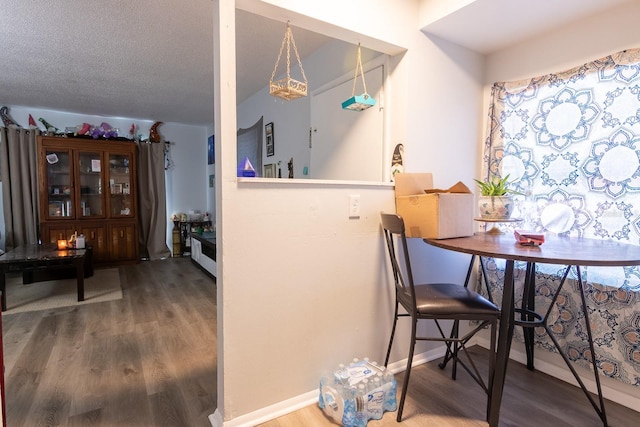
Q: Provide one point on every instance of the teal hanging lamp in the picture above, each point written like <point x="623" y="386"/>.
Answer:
<point x="359" y="102"/>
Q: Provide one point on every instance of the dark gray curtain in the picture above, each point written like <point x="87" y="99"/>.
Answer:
<point x="152" y="201"/>
<point x="19" y="172"/>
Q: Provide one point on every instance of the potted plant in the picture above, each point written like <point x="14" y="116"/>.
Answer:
<point x="496" y="198"/>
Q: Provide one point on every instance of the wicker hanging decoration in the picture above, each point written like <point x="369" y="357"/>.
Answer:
<point x="288" y="88"/>
<point x="359" y="102"/>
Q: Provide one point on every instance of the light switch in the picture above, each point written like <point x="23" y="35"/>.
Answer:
<point x="354" y="206"/>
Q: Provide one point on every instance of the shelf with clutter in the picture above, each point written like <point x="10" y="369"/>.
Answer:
<point x="184" y="225"/>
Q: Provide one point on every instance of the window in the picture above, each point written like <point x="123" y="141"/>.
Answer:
<point x="571" y="142"/>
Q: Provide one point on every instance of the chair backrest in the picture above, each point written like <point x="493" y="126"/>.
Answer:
<point x="393" y="227"/>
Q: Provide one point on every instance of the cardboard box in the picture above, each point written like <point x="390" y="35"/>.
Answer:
<point x="433" y="213"/>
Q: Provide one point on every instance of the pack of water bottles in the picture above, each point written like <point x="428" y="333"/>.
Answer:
<point x="357" y="393"/>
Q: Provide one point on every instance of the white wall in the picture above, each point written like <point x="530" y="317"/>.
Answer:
<point x="317" y="292"/>
<point x="186" y="182"/>
<point x="291" y="128"/>
<point x="292" y="119"/>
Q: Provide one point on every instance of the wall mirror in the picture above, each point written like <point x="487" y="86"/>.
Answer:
<point x="324" y="141"/>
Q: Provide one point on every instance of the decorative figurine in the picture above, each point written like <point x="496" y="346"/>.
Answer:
<point x="154" y="135"/>
<point x="246" y="168"/>
<point x="104" y="130"/>
<point x="4" y="114"/>
<point x="96" y="133"/>
<point x="48" y="126"/>
<point x="397" y="161"/>
<point x="84" y="130"/>
<point x="132" y="131"/>
<point x="290" y="166"/>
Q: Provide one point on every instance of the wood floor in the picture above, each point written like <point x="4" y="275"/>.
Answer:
<point x="146" y="360"/>
<point x="150" y="360"/>
<point x="532" y="399"/>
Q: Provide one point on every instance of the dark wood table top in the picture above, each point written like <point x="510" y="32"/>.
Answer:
<point x="42" y="252"/>
<point x="555" y="250"/>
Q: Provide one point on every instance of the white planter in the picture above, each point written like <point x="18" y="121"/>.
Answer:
<point x="495" y="207"/>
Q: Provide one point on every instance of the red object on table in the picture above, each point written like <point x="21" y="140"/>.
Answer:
<point x="529" y="238"/>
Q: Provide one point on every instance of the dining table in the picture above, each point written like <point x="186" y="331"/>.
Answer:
<point x="572" y="252"/>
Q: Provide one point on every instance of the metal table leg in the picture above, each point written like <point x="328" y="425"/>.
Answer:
<point x="505" y="334"/>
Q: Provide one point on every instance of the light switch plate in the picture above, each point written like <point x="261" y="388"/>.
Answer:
<point x="354" y="206"/>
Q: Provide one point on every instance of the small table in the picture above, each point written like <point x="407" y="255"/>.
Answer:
<point x="569" y="251"/>
<point x="41" y="257"/>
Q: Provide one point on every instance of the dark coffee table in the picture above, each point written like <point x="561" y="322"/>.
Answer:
<point x="41" y="258"/>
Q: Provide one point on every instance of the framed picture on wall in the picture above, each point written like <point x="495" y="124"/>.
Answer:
<point x="268" y="131"/>
<point x="211" y="154"/>
<point x="269" y="171"/>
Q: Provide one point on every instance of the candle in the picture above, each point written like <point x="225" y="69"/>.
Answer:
<point x="62" y="244"/>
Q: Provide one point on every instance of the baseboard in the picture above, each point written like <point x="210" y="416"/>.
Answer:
<point x="310" y="398"/>
<point x="216" y="419"/>
<point x="266" y="414"/>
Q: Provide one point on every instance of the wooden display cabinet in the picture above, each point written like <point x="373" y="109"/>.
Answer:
<point x="89" y="186"/>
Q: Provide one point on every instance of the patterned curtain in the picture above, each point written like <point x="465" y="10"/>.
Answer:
<point x="570" y="141"/>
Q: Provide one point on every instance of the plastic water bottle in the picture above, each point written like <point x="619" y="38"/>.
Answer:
<point x="390" y="402"/>
<point x="358" y="392"/>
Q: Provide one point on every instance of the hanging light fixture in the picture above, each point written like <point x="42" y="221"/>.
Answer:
<point x="288" y="88"/>
<point x="359" y="102"/>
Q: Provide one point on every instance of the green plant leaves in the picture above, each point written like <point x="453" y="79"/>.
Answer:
<point x="496" y="187"/>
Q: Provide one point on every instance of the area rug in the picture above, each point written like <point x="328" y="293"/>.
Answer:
<point x="104" y="285"/>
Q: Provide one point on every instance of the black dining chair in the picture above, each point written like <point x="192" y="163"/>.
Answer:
<point x="436" y="301"/>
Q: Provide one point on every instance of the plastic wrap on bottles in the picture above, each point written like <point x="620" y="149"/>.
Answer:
<point x="356" y="393"/>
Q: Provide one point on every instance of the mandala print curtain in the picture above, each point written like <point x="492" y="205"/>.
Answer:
<point x="570" y="141"/>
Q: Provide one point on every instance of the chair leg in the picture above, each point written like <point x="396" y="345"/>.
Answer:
<point x="528" y="306"/>
<point x="407" y="373"/>
<point x="449" y="354"/>
<point x="454" y="369"/>
<point x="492" y="365"/>
<point x="393" y="331"/>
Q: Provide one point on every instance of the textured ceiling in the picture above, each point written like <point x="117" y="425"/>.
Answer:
<point x="153" y="59"/>
<point x="142" y="59"/>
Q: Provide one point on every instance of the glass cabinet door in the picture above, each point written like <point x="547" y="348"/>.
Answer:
<point x="90" y="179"/>
<point x="120" y="200"/>
<point x="59" y="187"/>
